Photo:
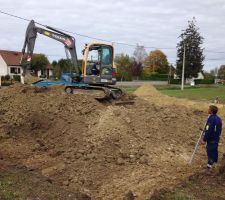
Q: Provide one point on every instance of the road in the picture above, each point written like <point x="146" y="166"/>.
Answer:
<point x="139" y="83"/>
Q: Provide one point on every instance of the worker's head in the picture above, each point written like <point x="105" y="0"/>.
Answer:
<point x="212" y="109"/>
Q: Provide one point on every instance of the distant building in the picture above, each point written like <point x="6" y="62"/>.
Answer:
<point x="48" y="72"/>
<point x="191" y="80"/>
<point x="10" y="65"/>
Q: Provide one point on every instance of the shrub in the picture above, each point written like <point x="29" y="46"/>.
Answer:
<point x="175" y="81"/>
<point x="204" y="81"/>
<point x="2" y="78"/>
<point x="154" y="77"/>
<point x="7" y="77"/>
<point x="17" y="78"/>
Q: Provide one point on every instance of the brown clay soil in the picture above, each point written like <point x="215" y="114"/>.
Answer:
<point x="103" y="151"/>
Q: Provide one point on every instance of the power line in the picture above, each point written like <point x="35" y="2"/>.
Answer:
<point x="215" y="51"/>
<point x="87" y="36"/>
<point x="215" y="59"/>
<point x="100" y="39"/>
<point x="11" y="15"/>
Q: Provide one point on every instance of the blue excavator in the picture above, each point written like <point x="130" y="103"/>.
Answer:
<point x="97" y="74"/>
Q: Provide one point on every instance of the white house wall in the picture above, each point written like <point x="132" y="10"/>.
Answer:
<point x="3" y="67"/>
<point x="39" y="73"/>
<point x="11" y="74"/>
<point x="50" y="72"/>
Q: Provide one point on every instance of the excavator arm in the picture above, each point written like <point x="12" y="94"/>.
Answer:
<point x="29" y="43"/>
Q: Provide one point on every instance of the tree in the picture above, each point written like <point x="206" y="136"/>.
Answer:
<point x="214" y="72"/>
<point x="54" y="63"/>
<point x="123" y="64"/>
<point x="192" y="40"/>
<point x="65" y="65"/>
<point x="39" y="62"/>
<point x="136" y="68"/>
<point x="62" y="66"/>
<point x="139" y="54"/>
<point x="157" y="62"/>
<point x="221" y="72"/>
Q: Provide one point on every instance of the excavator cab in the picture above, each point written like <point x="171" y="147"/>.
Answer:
<point x="97" y="66"/>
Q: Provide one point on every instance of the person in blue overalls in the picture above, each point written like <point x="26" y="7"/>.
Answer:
<point x="95" y="68"/>
<point x="211" y="135"/>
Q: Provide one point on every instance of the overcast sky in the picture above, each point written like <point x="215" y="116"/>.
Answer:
<point x="147" y="22"/>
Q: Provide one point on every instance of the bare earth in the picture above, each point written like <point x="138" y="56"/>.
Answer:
<point x="102" y="151"/>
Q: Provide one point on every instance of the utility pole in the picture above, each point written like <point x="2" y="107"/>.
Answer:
<point x="182" y="82"/>
<point x="169" y="74"/>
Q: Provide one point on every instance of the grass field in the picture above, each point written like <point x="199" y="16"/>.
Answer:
<point x="208" y="93"/>
<point x="130" y="89"/>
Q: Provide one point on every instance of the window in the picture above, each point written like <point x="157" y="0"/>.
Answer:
<point x="106" y="55"/>
<point x="93" y="56"/>
<point x="14" y="70"/>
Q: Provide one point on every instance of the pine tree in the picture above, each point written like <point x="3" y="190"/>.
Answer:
<point x="192" y="40"/>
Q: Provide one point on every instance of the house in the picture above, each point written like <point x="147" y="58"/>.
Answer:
<point x="191" y="81"/>
<point x="48" y="72"/>
<point x="10" y="65"/>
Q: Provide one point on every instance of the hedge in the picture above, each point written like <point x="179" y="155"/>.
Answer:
<point x="175" y="81"/>
<point x="17" y="78"/>
<point x="197" y="81"/>
<point x="204" y="81"/>
<point x="155" y="77"/>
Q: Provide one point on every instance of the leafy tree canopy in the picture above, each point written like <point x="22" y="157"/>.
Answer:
<point x="39" y="62"/>
<point x="157" y="62"/>
<point x="221" y="72"/>
<point x="123" y="64"/>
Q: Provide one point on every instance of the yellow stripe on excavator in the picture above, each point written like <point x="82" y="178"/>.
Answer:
<point x="46" y="33"/>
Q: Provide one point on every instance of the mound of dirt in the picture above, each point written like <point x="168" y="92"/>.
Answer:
<point x="29" y="79"/>
<point x="222" y="166"/>
<point x="150" y="94"/>
<point x="148" y="91"/>
<point x="104" y="151"/>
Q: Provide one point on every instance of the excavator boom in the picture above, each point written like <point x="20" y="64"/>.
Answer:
<point x="30" y="38"/>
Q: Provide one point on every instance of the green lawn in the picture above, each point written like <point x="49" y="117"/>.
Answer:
<point x="129" y="89"/>
<point x="196" y="93"/>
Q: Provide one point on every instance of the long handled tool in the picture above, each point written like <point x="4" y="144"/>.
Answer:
<point x="197" y="144"/>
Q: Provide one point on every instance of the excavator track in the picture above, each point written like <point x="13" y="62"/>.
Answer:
<point x="107" y="94"/>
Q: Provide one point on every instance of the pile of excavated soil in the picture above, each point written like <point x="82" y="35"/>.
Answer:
<point x="151" y="94"/>
<point x="104" y="151"/>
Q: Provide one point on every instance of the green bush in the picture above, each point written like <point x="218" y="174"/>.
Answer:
<point x="7" y="77"/>
<point x="2" y="78"/>
<point x="17" y="78"/>
<point x="204" y="81"/>
<point x="175" y="81"/>
<point x="154" y="77"/>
